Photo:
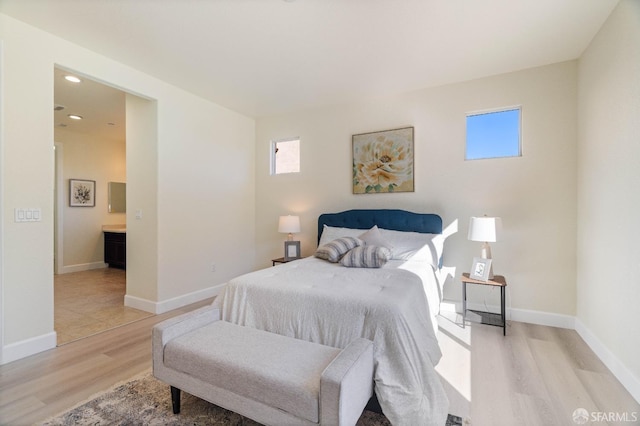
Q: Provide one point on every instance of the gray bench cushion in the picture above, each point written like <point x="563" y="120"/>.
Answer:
<point x="247" y="361"/>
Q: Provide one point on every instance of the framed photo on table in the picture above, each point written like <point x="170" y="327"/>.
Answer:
<point x="82" y="193"/>
<point x="291" y="250"/>
<point x="480" y="269"/>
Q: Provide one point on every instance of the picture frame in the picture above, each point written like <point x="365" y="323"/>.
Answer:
<point x="291" y="250"/>
<point x="383" y="161"/>
<point x="480" y="269"/>
<point x="82" y="193"/>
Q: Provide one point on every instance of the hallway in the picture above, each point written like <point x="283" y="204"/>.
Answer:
<point x="90" y="302"/>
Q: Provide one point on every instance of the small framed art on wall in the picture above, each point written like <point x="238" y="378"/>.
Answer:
<point x="82" y="193"/>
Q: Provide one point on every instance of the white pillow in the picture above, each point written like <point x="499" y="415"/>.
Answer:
<point x="373" y="237"/>
<point x="330" y="233"/>
<point x="366" y="257"/>
<point x="404" y="245"/>
<point x="415" y="246"/>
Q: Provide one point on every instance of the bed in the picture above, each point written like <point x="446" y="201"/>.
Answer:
<point x="394" y="306"/>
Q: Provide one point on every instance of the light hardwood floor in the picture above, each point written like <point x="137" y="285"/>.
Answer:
<point x="37" y="387"/>
<point x="535" y="375"/>
<point x="90" y="302"/>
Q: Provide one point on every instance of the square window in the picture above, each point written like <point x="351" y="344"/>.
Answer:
<point x="285" y="156"/>
<point x="493" y="134"/>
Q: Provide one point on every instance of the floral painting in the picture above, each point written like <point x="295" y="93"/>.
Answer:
<point x="383" y="161"/>
<point x="82" y="193"/>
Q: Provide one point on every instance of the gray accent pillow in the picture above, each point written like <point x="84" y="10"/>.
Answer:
<point x="366" y="257"/>
<point x="334" y="250"/>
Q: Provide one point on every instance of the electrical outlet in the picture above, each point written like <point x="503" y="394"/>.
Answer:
<point x="213" y="267"/>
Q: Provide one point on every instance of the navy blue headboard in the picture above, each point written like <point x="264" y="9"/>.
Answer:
<point x="396" y="220"/>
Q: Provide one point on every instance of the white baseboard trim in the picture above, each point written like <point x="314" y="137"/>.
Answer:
<point x="28" y="347"/>
<point x="541" y="318"/>
<point x="174" y="303"/>
<point x="82" y="267"/>
<point x="513" y="314"/>
<point x="608" y="358"/>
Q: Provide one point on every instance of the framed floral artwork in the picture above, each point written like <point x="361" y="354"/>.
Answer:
<point x="82" y="193"/>
<point x="383" y="161"/>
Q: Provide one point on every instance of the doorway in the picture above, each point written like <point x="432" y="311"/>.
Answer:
<point x="90" y="147"/>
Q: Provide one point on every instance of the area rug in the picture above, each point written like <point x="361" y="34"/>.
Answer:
<point x="147" y="401"/>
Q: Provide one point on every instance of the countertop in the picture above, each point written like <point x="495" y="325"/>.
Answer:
<point x="117" y="229"/>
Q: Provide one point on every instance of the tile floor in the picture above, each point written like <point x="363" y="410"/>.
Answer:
<point x="89" y="302"/>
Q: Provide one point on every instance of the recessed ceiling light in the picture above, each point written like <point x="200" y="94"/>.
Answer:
<point x="75" y="116"/>
<point x="72" y="78"/>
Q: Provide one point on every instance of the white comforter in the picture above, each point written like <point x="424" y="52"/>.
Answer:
<point x="314" y="300"/>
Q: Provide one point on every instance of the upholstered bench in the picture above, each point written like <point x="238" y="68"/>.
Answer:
<point x="270" y="378"/>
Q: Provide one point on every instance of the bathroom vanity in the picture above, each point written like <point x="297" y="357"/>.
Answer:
<point x="115" y="246"/>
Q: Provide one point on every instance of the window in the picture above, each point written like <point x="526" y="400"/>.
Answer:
<point x="493" y="134"/>
<point x="285" y="156"/>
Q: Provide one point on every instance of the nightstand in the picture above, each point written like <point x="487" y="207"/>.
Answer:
<point x="490" y="318"/>
<point x="282" y="260"/>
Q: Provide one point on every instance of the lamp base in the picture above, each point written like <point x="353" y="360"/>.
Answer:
<point x="485" y="253"/>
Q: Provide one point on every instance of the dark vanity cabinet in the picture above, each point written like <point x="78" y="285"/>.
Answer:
<point x="115" y="249"/>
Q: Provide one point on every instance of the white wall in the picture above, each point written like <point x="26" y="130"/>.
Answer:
<point x="103" y="161"/>
<point x="608" y="277"/>
<point x="142" y="202"/>
<point x="202" y="179"/>
<point x="534" y="194"/>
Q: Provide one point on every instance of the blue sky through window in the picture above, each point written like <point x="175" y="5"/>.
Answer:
<point x="493" y="135"/>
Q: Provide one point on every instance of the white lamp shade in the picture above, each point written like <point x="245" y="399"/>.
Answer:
<point x="484" y="229"/>
<point x="289" y="224"/>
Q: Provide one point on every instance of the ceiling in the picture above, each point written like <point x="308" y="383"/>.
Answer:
<point x="269" y="57"/>
<point x="102" y="108"/>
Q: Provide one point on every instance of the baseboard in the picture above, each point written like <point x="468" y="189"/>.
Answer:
<point x="513" y="314"/>
<point x="174" y="303"/>
<point x="608" y="358"/>
<point x="541" y="318"/>
<point x="28" y="347"/>
<point x="82" y="267"/>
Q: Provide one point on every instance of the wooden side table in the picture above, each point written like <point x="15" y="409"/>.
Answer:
<point x="282" y="260"/>
<point x="490" y="318"/>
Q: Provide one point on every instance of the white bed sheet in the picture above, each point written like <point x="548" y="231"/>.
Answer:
<point x="314" y="300"/>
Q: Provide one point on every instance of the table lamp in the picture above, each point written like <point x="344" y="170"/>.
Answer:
<point x="485" y="230"/>
<point x="289" y="225"/>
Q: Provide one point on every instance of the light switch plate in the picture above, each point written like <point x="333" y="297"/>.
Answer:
<point x="28" y="215"/>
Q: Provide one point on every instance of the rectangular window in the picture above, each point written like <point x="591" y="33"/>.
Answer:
<point x="285" y="156"/>
<point x="493" y="134"/>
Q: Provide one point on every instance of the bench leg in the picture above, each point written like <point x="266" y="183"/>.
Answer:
<point x="175" y="400"/>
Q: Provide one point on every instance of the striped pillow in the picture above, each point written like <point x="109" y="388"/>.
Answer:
<point x="366" y="257"/>
<point x="334" y="250"/>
